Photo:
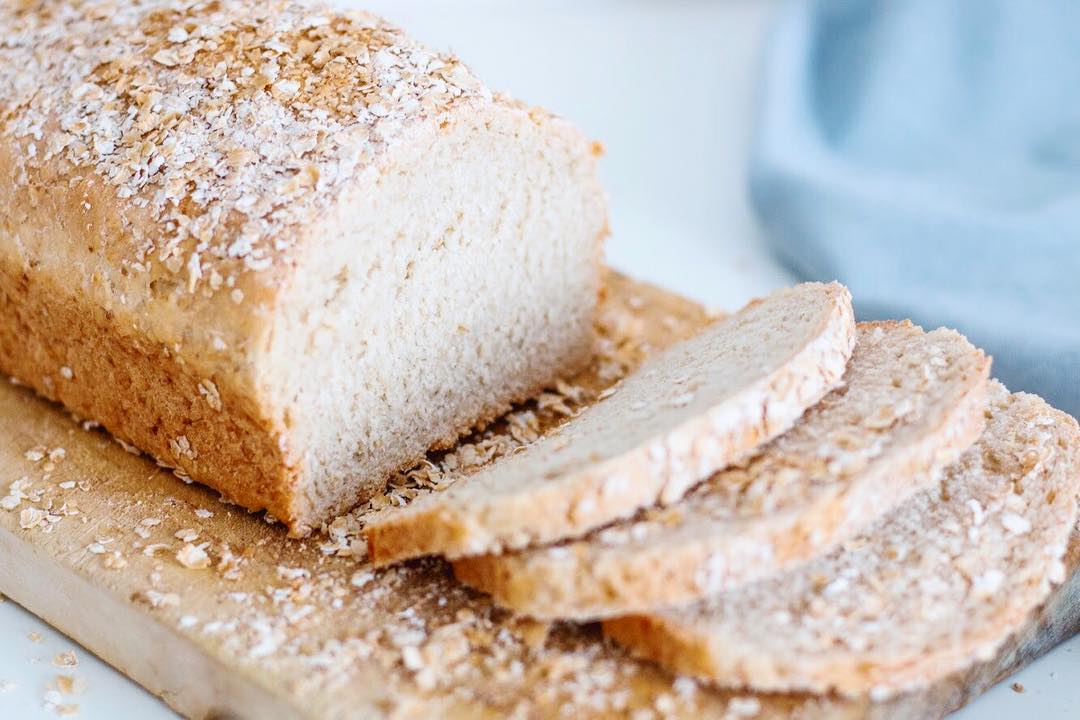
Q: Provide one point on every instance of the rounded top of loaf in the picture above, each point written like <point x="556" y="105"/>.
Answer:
<point x="228" y="125"/>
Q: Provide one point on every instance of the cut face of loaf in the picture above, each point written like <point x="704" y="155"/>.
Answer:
<point x="910" y="404"/>
<point x="281" y="248"/>
<point x="698" y="406"/>
<point x="929" y="590"/>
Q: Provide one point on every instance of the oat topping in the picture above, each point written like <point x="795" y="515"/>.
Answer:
<point x="825" y="451"/>
<point x="193" y="557"/>
<point x="315" y="616"/>
<point x="54" y="702"/>
<point x="17" y="492"/>
<point x="231" y="123"/>
<point x="188" y="535"/>
<point x="804" y="491"/>
<point x="917" y="596"/>
<point x="66" y="659"/>
<point x="70" y="684"/>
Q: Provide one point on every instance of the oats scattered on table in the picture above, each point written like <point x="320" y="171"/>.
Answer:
<point x="66" y="659"/>
<point x="70" y="684"/>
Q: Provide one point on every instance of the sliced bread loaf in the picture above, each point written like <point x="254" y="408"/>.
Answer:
<point x="692" y="409"/>
<point x="911" y="403"/>
<point x="929" y="590"/>
<point x="282" y="248"/>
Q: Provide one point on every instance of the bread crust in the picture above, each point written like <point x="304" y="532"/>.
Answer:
<point x="141" y="290"/>
<point x="588" y="579"/>
<point x="1034" y="550"/>
<point x="145" y="394"/>
<point x="660" y="468"/>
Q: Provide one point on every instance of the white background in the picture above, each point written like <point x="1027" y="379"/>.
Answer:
<point x="668" y="86"/>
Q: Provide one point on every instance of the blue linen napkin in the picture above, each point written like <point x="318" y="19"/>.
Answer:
<point x="927" y="154"/>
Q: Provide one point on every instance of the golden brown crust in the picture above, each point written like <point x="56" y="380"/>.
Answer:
<point x="230" y="126"/>
<point x="927" y="592"/>
<point x="347" y="632"/>
<point x="714" y="539"/>
<point x="70" y="352"/>
<point x="577" y="496"/>
<point x="150" y="233"/>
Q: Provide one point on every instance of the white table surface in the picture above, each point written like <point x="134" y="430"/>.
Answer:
<point x="668" y="86"/>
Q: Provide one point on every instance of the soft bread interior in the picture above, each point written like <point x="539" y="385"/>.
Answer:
<point x="459" y="277"/>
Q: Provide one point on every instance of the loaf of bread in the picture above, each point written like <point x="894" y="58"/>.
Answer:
<point x="280" y="248"/>
<point x="910" y="404"/>
<point x="698" y="406"/>
<point x="930" y="590"/>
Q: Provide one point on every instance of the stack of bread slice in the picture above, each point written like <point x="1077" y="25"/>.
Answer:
<point x="786" y="502"/>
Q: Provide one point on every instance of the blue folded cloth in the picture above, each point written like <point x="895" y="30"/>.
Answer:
<point x="927" y="154"/>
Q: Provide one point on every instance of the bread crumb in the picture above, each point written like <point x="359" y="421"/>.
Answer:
<point x="70" y="685"/>
<point x="1017" y="687"/>
<point x="533" y="633"/>
<point x="66" y="659"/>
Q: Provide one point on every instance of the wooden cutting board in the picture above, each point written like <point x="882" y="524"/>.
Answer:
<point x="93" y="538"/>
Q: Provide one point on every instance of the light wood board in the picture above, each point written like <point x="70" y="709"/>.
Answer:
<point x="280" y="628"/>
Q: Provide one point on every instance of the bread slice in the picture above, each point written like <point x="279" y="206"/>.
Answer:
<point x="931" y="589"/>
<point x="696" y="407"/>
<point x="911" y="403"/>
<point x="280" y="247"/>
